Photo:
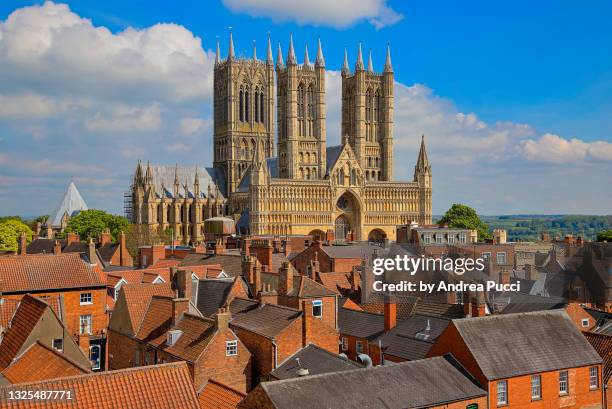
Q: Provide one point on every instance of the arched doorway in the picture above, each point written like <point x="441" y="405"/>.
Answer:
<point x="342" y="227"/>
<point x="377" y="236"/>
<point x="317" y="234"/>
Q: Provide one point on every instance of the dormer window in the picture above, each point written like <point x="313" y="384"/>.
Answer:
<point x="231" y="348"/>
<point x="173" y="336"/>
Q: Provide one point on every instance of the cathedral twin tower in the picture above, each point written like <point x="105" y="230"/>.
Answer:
<point x="244" y="114"/>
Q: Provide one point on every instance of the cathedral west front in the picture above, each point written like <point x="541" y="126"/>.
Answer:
<point x="295" y="184"/>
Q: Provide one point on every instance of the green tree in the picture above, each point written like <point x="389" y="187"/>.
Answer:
<point x="605" y="235"/>
<point x="92" y="222"/>
<point x="462" y="216"/>
<point x="10" y="231"/>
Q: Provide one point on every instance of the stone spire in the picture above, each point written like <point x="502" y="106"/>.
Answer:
<point x="306" y="59"/>
<point x="279" y="58"/>
<point x="345" y="66"/>
<point x="148" y="174"/>
<point x="177" y="184"/>
<point x="196" y="183"/>
<point x="138" y="175"/>
<point x="218" y="54"/>
<point x="291" y="56"/>
<point x="320" y="61"/>
<point x="254" y="50"/>
<point x="359" y="63"/>
<point x="388" y="66"/>
<point x="230" y="54"/>
<point x="269" y="59"/>
<point x="370" y="65"/>
<point x="422" y="164"/>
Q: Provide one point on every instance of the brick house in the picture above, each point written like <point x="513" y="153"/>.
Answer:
<point x="152" y="387"/>
<point x="80" y="286"/>
<point x="603" y="345"/>
<point x="273" y="332"/>
<point x="428" y="383"/>
<point x="35" y="322"/>
<point x="166" y="331"/>
<point x="211" y="294"/>
<point x="536" y="359"/>
<point x="339" y="259"/>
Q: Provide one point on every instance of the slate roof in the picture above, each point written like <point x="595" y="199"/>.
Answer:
<point x="360" y="324"/>
<point x="40" y="362"/>
<point x="332" y="153"/>
<point x="211" y="294"/>
<point x="267" y="320"/>
<point x="231" y="263"/>
<point x="72" y="203"/>
<point x="43" y="245"/>
<point x="415" y="384"/>
<point x="510" y="345"/>
<point x="306" y="287"/>
<point x="519" y="302"/>
<point x="412" y="338"/>
<point x="165" y="175"/>
<point x="353" y="251"/>
<point x="427" y="307"/>
<point x="147" y="387"/>
<point x="314" y="358"/>
<point x="405" y="304"/>
<point x="219" y="396"/>
<point x="39" y="272"/>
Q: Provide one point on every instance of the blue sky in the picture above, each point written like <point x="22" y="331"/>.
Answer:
<point x="515" y="98"/>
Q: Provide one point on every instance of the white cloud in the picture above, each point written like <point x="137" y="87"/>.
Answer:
<point x="122" y="118"/>
<point x="191" y="126"/>
<point x="338" y="13"/>
<point x="556" y="149"/>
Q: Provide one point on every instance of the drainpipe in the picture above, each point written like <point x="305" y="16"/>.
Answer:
<point x="275" y="353"/>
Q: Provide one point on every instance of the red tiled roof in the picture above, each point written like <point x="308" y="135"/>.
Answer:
<point x="196" y="332"/>
<point x="138" y="296"/>
<point x="603" y="345"/>
<point x="38" y="272"/>
<point x="338" y="282"/>
<point x="350" y="305"/>
<point x="40" y="362"/>
<point x="25" y="319"/>
<point x="146" y="275"/>
<point x="219" y="396"/>
<point x="166" y="386"/>
<point x="7" y="309"/>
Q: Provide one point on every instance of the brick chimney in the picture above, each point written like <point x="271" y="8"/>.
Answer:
<point x="276" y="243"/>
<point x="306" y="322"/>
<point x="91" y="252"/>
<point x="105" y="237"/>
<point x="504" y="277"/>
<point x="57" y="247"/>
<point x="285" y="279"/>
<point x="124" y="254"/>
<point x="287" y="247"/>
<point x="179" y="306"/>
<point x="72" y="238"/>
<point x="223" y="319"/>
<point x="353" y="278"/>
<point x="23" y="244"/>
<point x="181" y="283"/>
<point x="390" y="312"/>
<point x="263" y="250"/>
<point x="149" y="255"/>
<point x="246" y="247"/>
<point x="268" y="295"/>
<point x="528" y="271"/>
<point x="248" y="272"/>
<point x="315" y="267"/>
<point x="257" y="283"/>
<point x="218" y="247"/>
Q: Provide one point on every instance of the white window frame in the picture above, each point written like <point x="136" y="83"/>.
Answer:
<point x="58" y="349"/>
<point x="536" y="387"/>
<point x="427" y="239"/>
<point x="502" y="392"/>
<point x="593" y="378"/>
<point x="462" y="238"/>
<point x="95" y="365"/>
<point x="84" y="321"/>
<point x="563" y="383"/>
<point x="450" y="239"/>
<point x="317" y="303"/>
<point x="585" y="322"/>
<point x="344" y="343"/>
<point x="439" y="239"/>
<point x="86" y="296"/>
<point x="359" y="347"/>
<point x="231" y="348"/>
<point x="501" y="254"/>
<point x="486" y="255"/>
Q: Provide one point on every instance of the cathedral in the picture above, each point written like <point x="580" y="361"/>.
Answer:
<point x="344" y="192"/>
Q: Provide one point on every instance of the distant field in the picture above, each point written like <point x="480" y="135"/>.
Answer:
<point x="529" y="227"/>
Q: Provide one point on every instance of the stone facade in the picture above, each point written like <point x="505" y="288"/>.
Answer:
<point x="309" y="188"/>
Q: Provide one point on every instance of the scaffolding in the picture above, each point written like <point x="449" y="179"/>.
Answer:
<point x="128" y="204"/>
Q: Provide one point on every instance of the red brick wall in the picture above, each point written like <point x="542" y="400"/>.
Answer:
<point x="234" y="371"/>
<point x="302" y="260"/>
<point x="481" y="402"/>
<point x="580" y="396"/>
<point x="121" y="351"/>
<point x="351" y="352"/>
<point x="261" y="349"/>
<point x="329" y="307"/>
<point x="577" y="314"/>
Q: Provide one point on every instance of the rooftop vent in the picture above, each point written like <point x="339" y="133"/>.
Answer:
<point x="301" y="371"/>
<point x="173" y="336"/>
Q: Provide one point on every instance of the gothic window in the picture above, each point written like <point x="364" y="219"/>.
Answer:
<point x="341" y="177"/>
<point x="307" y="157"/>
<point x="368" y="116"/>
<point x="261" y="106"/>
<point x="376" y="119"/>
<point x="307" y="173"/>
<point x="301" y="173"/>
<point x="310" y="111"/>
<point x="301" y="157"/>
<point x="256" y="105"/>
<point x="243" y="149"/>
<point x="300" y="113"/>
<point x="314" y="173"/>
<point x="252" y="151"/>
<point x="169" y="214"/>
<point x="353" y="177"/>
<point x="246" y="105"/>
<point x="241" y="104"/>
